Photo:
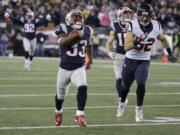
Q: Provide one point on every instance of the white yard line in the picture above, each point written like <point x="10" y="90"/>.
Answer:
<point x="88" y="107"/>
<point x="20" y="59"/>
<point x="89" y="78"/>
<point x="46" y="85"/>
<point x="89" y="126"/>
<point x="164" y="84"/>
<point x="74" y="94"/>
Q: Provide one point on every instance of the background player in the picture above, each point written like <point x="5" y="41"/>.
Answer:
<point x="30" y="24"/>
<point x="138" y="43"/>
<point x="118" y="33"/>
<point x="73" y="38"/>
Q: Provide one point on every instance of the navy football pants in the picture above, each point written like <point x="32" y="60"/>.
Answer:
<point x="135" y="70"/>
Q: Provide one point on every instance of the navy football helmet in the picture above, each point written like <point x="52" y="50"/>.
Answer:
<point x="144" y="14"/>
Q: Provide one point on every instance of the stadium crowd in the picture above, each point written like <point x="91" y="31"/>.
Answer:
<point x="98" y="14"/>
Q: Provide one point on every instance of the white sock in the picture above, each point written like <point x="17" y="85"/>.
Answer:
<point x="57" y="111"/>
<point x="78" y="112"/>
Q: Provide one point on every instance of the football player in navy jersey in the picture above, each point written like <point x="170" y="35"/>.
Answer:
<point x="118" y="33"/>
<point x="30" y="24"/>
<point x="73" y="39"/>
<point x="138" y="43"/>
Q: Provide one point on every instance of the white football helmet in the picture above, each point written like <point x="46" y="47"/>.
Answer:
<point x="29" y="15"/>
<point x="75" y="18"/>
<point x="124" y="15"/>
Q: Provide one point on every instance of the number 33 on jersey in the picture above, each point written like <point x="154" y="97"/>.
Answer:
<point x="73" y="56"/>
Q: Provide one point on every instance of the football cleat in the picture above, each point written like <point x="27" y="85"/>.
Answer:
<point x="26" y="64"/>
<point x="58" y="118"/>
<point x="139" y="114"/>
<point x="80" y="120"/>
<point x="121" y="108"/>
<point x="29" y="66"/>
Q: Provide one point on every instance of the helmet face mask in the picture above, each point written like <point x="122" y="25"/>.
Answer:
<point x="124" y="15"/>
<point x="30" y="15"/>
<point x="144" y="14"/>
<point x="76" y="19"/>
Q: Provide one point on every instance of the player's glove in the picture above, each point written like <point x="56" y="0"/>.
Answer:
<point x="112" y="55"/>
<point x="88" y="65"/>
<point x="172" y="58"/>
<point x="138" y="40"/>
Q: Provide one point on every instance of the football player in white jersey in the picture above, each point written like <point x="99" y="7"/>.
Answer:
<point x="138" y="43"/>
<point x="73" y="39"/>
<point x="117" y="33"/>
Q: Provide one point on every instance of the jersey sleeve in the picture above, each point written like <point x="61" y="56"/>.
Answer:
<point x="61" y="29"/>
<point x="91" y="31"/>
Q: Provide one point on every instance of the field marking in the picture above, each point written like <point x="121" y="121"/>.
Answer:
<point x="165" y="84"/>
<point x="169" y="83"/>
<point x="88" y="107"/>
<point x="74" y="94"/>
<point x="90" y="126"/>
<point x="89" y="78"/>
<point x="17" y="58"/>
<point x="53" y="85"/>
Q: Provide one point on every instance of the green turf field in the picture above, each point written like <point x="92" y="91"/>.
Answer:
<point x="27" y="101"/>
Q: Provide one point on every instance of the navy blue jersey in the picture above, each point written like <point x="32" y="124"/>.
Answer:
<point x="73" y="56"/>
<point x="120" y="33"/>
<point x="30" y="27"/>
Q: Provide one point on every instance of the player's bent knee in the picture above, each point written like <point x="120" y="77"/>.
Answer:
<point x="61" y="93"/>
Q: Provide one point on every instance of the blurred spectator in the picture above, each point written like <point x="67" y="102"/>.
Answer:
<point x="92" y="19"/>
<point x="3" y="43"/>
<point x="98" y="13"/>
<point x="95" y="41"/>
<point x="176" y="44"/>
<point x="18" y="44"/>
<point x="41" y="38"/>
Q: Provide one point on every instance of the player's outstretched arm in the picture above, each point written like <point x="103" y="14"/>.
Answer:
<point x="70" y="39"/>
<point x="166" y="45"/>
<point x="110" y="41"/>
<point x="89" y="55"/>
<point x="109" y="44"/>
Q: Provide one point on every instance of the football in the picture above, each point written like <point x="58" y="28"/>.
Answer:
<point x="76" y="34"/>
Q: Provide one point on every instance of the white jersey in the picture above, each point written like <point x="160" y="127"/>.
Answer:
<point x="143" y="50"/>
